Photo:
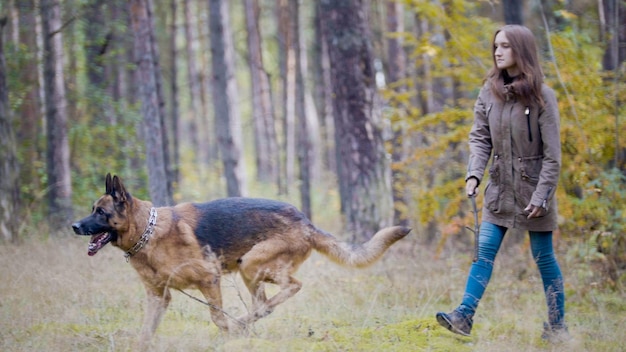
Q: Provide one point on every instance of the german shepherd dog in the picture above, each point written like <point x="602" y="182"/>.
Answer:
<point x="190" y="245"/>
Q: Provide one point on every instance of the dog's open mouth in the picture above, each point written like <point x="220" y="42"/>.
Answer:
<point x="97" y="242"/>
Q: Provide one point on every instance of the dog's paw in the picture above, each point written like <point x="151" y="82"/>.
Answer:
<point x="239" y="327"/>
<point x="261" y="313"/>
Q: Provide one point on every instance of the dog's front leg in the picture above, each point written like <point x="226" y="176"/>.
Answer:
<point x="212" y="292"/>
<point x="157" y="301"/>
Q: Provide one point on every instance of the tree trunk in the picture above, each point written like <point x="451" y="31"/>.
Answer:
<point x="126" y="90"/>
<point x="205" y="78"/>
<point x="97" y="102"/>
<point x="364" y="174"/>
<point x="613" y="33"/>
<point x="324" y="95"/>
<point x="118" y="75"/>
<point x="9" y="167"/>
<point x="146" y="66"/>
<point x="96" y="45"/>
<point x="162" y="114"/>
<point x="266" y="147"/>
<point x="118" y="88"/>
<point x="513" y="11"/>
<point x="58" y="152"/>
<point x="308" y="101"/>
<point x="613" y="23"/>
<point x="227" y="119"/>
<point x="288" y="78"/>
<point x="549" y="8"/>
<point x="70" y="67"/>
<point x="423" y="76"/>
<point x="173" y="168"/>
<point x="197" y="118"/>
<point x="396" y="72"/>
<point x="30" y="111"/>
<point x="303" y="128"/>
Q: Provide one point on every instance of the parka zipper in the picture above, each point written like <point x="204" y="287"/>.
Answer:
<point x="544" y="204"/>
<point x="530" y="134"/>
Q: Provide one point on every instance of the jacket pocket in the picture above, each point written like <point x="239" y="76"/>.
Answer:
<point x="492" y="191"/>
<point x="494" y="169"/>
<point x="492" y="197"/>
<point x="530" y="169"/>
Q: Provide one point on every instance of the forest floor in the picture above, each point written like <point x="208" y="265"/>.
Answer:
<point x="54" y="297"/>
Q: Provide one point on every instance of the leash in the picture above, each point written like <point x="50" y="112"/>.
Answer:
<point x="212" y="306"/>
<point x="476" y="229"/>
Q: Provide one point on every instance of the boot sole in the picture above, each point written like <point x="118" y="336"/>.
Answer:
<point x="443" y="321"/>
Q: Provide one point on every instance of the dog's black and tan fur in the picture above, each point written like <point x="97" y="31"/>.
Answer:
<point x="194" y="243"/>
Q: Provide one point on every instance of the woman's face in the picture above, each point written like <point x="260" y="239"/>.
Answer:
<point x="503" y="55"/>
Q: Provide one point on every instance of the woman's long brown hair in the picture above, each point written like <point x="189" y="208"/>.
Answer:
<point x="526" y="86"/>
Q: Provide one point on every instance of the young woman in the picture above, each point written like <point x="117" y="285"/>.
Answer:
<point x="516" y="125"/>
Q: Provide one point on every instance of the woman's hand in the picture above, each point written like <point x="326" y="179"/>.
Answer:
<point x="470" y="186"/>
<point x="535" y="211"/>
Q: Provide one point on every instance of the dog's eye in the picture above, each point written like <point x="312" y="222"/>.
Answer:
<point x="99" y="211"/>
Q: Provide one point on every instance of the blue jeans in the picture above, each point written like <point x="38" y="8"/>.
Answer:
<point x="489" y="242"/>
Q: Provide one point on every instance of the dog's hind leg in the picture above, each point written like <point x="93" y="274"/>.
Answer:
<point x="157" y="301"/>
<point x="257" y="292"/>
<point x="261" y="306"/>
<point x="273" y="261"/>
<point x="278" y="271"/>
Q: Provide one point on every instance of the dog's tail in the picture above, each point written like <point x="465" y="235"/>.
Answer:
<point x="358" y="255"/>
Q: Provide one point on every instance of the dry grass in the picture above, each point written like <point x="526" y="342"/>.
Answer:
<point x="54" y="297"/>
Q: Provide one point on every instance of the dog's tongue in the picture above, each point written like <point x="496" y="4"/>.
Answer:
<point x="98" y="241"/>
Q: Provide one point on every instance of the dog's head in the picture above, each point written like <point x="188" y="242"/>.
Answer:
<point x="109" y="216"/>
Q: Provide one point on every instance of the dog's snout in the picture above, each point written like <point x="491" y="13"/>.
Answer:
<point x="76" y="227"/>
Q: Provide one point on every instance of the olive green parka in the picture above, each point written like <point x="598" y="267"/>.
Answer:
<point x="524" y="145"/>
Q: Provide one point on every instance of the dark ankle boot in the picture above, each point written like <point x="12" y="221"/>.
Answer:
<point x="456" y="322"/>
<point x="555" y="334"/>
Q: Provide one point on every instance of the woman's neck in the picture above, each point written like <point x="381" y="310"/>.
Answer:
<point x="508" y="78"/>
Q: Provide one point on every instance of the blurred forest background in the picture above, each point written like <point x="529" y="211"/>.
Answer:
<point x="352" y="107"/>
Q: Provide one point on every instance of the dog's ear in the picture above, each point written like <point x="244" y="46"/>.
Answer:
<point x="108" y="184"/>
<point x="118" y="190"/>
